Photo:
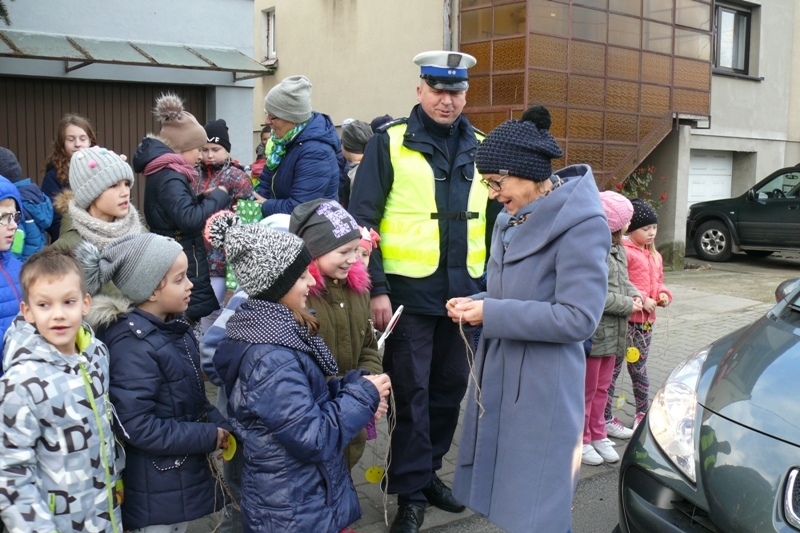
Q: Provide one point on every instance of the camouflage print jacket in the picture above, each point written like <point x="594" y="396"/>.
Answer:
<point x="57" y="448"/>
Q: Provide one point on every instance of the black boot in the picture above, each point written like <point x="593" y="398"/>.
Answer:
<point x="408" y="519"/>
<point x="439" y="495"/>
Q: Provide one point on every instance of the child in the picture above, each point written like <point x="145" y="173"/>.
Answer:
<point x="645" y="269"/>
<point x="340" y="295"/>
<point x="97" y="207"/>
<point x="37" y="210"/>
<point x="157" y="387"/>
<point x="57" y="457"/>
<point x="218" y="169"/>
<point x="10" y="291"/>
<point x="171" y="206"/>
<point x="74" y="133"/>
<point x="369" y="241"/>
<point x="293" y="423"/>
<point x="609" y="339"/>
<point x="266" y="133"/>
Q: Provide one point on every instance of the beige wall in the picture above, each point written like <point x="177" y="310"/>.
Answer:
<point x="357" y="53"/>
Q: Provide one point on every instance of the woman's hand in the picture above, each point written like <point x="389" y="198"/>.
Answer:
<point x="260" y="199"/>
<point x="222" y="439"/>
<point x="465" y="310"/>
<point x="384" y="385"/>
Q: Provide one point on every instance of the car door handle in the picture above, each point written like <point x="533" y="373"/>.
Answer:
<point x="794" y="206"/>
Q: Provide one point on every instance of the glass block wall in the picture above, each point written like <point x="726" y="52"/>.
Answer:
<point x="611" y="72"/>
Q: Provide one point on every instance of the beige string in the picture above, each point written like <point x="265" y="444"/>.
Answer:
<point x="387" y="461"/>
<point x="219" y="481"/>
<point x="471" y="362"/>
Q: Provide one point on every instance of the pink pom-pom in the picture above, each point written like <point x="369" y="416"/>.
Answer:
<point x="92" y="164"/>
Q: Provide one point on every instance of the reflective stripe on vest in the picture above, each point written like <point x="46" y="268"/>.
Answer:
<point x="409" y="236"/>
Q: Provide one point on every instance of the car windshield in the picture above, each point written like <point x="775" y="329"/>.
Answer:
<point x="783" y="186"/>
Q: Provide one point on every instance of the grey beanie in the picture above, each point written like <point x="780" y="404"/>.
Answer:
<point x="324" y="225"/>
<point x="92" y="171"/>
<point x="266" y="262"/>
<point x="520" y="148"/>
<point x="9" y="166"/>
<point x="355" y="136"/>
<point x="290" y="100"/>
<point x="135" y="263"/>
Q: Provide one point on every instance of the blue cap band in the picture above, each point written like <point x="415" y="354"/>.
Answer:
<point x="443" y="72"/>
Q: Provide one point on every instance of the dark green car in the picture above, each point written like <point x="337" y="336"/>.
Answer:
<point x="763" y="220"/>
<point x="719" y="450"/>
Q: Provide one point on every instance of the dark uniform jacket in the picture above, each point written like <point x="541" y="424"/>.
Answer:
<point x="453" y="176"/>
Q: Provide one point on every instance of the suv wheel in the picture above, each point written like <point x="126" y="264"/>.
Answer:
<point x="712" y="242"/>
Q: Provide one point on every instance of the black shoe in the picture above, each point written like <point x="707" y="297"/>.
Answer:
<point x="439" y="495"/>
<point x="408" y="519"/>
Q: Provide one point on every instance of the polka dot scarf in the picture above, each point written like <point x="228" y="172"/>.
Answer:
<point x="262" y="322"/>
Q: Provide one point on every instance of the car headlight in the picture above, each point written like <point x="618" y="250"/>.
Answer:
<point x="671" y="417"/>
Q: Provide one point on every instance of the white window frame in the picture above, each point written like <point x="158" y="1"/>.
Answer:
<point x="268" y="53"/>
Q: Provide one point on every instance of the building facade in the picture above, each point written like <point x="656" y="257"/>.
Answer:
<point x="107" y="60"/>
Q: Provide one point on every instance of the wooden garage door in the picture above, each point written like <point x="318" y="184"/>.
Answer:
<point x="120" y="113"/>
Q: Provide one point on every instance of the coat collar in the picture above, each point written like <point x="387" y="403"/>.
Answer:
<point x="142" y="323"/>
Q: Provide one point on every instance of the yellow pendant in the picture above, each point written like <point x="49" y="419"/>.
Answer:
<point x="230" y="451"/>
<point x="633" y="355"/>
<point x="374" y="474"/>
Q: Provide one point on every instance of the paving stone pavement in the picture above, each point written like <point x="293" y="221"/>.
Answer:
<point x="706" y="306"/>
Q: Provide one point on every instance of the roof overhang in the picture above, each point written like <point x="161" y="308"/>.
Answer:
<point x="79" y="52"/>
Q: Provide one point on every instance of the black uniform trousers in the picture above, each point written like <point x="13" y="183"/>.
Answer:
<point x="426" y="359"/>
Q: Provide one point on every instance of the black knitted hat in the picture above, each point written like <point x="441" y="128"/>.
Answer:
<point x="643" y="215"/>
<point x="217" y="133"/>
<point x="521" y="149"/>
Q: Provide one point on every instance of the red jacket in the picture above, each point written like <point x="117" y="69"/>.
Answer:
<point x="647" y="275"/>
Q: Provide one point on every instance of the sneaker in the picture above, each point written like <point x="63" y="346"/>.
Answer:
<point x="637" y="420"/>
<point x="590" y="456"/>
<point x="609" y="442"/>
<point x="616" y="429"/>
<point x="605" y="451"/>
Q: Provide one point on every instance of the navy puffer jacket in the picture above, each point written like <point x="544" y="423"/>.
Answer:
<point x="294" y="426"/>
<point x="309" y="170"/>
<point x="172" y="209"/>
<point x="168" y="424"/>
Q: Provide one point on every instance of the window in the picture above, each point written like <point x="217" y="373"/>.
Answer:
<point x="783" y="186"/>
<point x="268" y="36"/>
<point x="732" y="38"/>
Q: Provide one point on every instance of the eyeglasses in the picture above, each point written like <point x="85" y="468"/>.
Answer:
<point x="271" y="118"/>
<point x="6" y="218"/>
<point x="495" y="185"/>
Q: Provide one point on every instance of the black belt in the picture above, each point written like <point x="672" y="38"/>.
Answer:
<point x="455" y="215"/>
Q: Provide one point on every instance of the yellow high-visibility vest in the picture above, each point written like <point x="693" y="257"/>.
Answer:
<point x="409" y="236"/>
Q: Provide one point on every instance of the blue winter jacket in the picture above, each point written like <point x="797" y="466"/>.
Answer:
<point x="37" y="217"/>
<point x="294" y="426"/>
<point x="168" y="424"/>
<point x="309" y="169"/>
<point x="10" y="290"/>
<point x="51" y="187"/>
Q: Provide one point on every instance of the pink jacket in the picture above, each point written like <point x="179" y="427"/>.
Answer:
<point x="647" y="275"/>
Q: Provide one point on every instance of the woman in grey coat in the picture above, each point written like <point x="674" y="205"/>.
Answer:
<point x="520" y="450"/>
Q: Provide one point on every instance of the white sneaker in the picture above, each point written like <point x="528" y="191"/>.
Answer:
<point x="609" y="442"/>
<point x="615" y="429"/>
<point x="604" y="450"/>
<point x="590" y="456"/>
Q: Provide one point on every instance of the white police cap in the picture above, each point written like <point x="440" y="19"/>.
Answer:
<point x="445" y="70"/>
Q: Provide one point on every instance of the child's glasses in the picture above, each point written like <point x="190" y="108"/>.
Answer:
<point x="6" y="218"/>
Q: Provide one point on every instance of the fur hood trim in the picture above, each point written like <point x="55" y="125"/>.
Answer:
<point x="62" y="199"/>
<point x="105" y="310"/>
<point x="357" y="279"/>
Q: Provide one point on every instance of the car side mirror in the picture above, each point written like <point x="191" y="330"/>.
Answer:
<point x="786" y="288"/>
<point x="751" y="195"/>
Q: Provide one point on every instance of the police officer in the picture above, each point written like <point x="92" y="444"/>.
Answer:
<point x="417" y="183"/>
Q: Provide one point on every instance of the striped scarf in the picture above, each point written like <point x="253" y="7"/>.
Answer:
<point x="278" y="148"/>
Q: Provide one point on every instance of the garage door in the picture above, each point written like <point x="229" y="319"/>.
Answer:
<point x="710" y="175"/>
<point x="121" y="114"/>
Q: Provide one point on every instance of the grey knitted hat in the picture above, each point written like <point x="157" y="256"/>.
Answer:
<point x="265" y="262"/>
<point x="324" y="225"/>
<point x="355" y="136"/>
<point x="290" y="100"/>
<point x="9" y="166"/>
<point x="135" y="263"/>
<point x="178" y="127"/>
<point x="92" y="171"/>
<point x="520" y="148"/>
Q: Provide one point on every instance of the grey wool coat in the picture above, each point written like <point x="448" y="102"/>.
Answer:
<point x="611" y="334"/>
<point x="518" y="464"/>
